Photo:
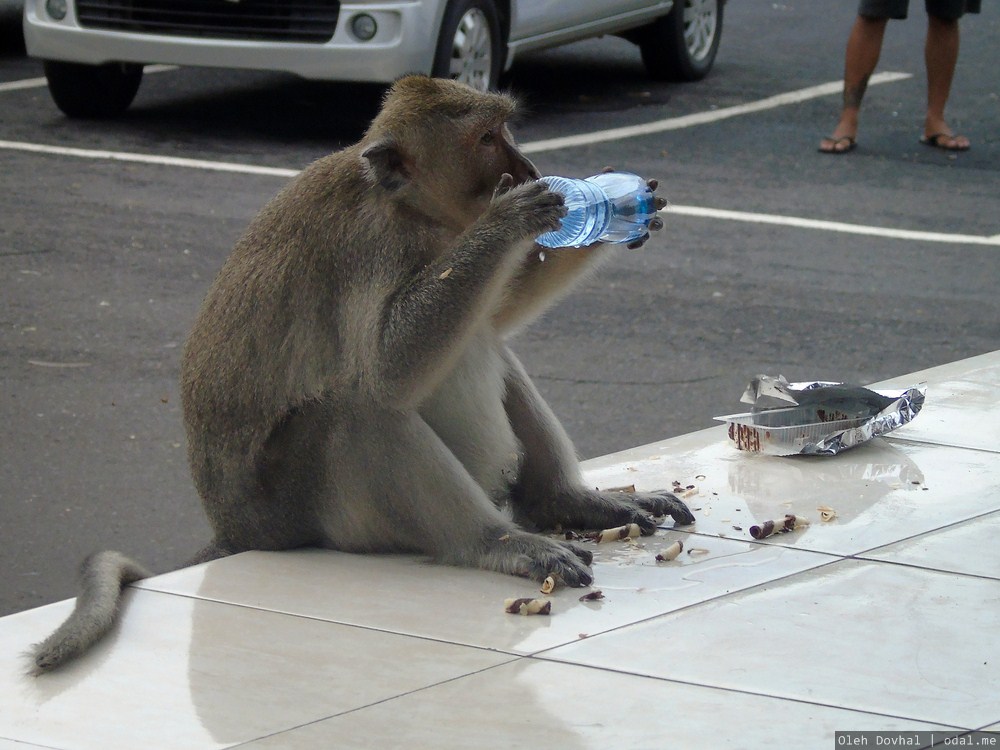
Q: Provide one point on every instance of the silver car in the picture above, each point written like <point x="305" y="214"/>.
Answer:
<point x="94" y="50"/>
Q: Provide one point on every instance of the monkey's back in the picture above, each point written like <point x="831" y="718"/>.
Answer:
<point x="268" y="337"/>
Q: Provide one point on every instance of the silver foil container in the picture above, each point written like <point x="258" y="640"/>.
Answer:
<point x="818" y="418"/>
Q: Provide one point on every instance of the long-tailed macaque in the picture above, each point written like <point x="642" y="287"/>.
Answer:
<point x="347" y="384"/>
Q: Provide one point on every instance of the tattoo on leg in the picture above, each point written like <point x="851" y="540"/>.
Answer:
<point x="854" y="94"/>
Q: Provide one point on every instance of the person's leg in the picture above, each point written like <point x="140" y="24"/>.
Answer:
<point x="941" y="56"/>
<point x="864" y="46"/>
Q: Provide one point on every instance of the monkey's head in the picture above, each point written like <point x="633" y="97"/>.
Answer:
<point x="441" y="147"/>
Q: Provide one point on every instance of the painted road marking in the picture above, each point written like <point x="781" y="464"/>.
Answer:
<point x="701" y="118"/>
<point x="834" y="226"/>
<point x="165" y="161"/>
<point x="36" y="83"/>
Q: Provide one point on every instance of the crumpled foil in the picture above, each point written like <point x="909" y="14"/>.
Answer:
<point x="818" y="418"/>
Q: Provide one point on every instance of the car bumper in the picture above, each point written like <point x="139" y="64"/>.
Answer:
<point x="396" y="48"/>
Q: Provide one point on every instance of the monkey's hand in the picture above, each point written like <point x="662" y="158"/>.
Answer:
<point x="663" y="503"/>
<point x="583" y="508"/>
<point x="656" y="224"/>
<point x="619" y="508"/>
<point x="525" y="211"/>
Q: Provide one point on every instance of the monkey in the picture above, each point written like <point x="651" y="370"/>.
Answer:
<point x="347" y="382"/>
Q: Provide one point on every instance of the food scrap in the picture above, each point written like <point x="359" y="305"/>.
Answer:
<point x="826" y="513"/>
<point x="592" y="596"/>
<point x="671" y="552"/>
<point x="697" y="551"/>
<point x="628" y="531"/>
<point x="767" y="528"/>
<point x="527" y="606"/>
<point x="683" y="491"/>
<point x="549" y="585"/>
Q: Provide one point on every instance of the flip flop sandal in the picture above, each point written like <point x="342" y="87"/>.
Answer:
<point x="934" y="141"/>
<point x="834" y="142"/>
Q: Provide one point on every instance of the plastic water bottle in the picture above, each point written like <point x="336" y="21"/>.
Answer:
<point x="611" y="207"/>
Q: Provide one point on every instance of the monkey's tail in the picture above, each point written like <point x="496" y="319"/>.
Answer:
<point x="103" y="575"/>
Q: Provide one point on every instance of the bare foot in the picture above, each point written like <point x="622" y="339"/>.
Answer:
<point x="947" y="141"/>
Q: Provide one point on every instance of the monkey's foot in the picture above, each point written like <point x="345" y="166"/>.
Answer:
<point x="537" y="557"/>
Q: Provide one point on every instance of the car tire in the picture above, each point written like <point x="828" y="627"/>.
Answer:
<point x="470" y="46"/>
<point x="682" y="45"/>
<point x="92" y="91"/>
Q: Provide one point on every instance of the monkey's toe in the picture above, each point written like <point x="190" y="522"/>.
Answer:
<point x="664" y="503"/>
<point x="584" y="554"/>
<point x="570" y="566"/>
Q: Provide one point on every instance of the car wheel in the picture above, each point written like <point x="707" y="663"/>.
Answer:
<point x="92" y="91"/>
<point x="681" y="46"/>
<point x="470" y="48"/>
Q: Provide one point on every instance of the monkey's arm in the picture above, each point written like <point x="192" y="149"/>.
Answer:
<point x="540" y="284"/>
<point x="549" y="491"/>
<point x="426" y="323"/>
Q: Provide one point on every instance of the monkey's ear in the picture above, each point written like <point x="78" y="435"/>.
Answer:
<point x="387" y="164"/>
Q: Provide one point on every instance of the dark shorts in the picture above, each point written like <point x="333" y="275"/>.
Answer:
<point x="949" y="10"/>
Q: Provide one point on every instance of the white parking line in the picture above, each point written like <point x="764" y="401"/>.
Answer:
<point x="834" y="226"/>
<point x="165" y="161"/>
<point x="659" y="126"/>
<point x="701" y="118"/>
<point x="36" y="83"/>
<point x="26" y="83"/>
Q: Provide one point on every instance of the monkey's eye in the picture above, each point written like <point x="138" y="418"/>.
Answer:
<point x="488" y="137"/>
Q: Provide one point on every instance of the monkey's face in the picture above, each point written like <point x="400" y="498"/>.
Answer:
<point x="442" y="148"/>
<point x="495" y="154"/>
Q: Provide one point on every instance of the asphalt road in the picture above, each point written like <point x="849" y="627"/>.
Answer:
<point x="103" y="263"/>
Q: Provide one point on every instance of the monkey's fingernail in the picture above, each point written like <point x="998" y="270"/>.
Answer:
<point x="653" y="184"/>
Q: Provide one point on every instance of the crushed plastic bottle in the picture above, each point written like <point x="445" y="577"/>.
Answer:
<point x="612" y="207"/>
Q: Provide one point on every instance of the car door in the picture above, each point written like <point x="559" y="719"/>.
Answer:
<point x="534" y="17"/>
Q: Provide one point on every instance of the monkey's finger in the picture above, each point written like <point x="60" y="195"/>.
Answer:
<point x="505" y="184"/>
<point x="636" y="244"/>
<point x="660" y="203"/>
<point x="608" y="169"/>
<point x="656" y="224"/>
<point x="653" y="183"/>
<point x="678" y="510"/>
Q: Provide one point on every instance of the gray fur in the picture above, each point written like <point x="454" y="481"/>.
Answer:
<point x="347" y="384"/>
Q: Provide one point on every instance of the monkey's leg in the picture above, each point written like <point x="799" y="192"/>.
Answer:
<point x="550" y="490"/>
<point x="395" y="486"/>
